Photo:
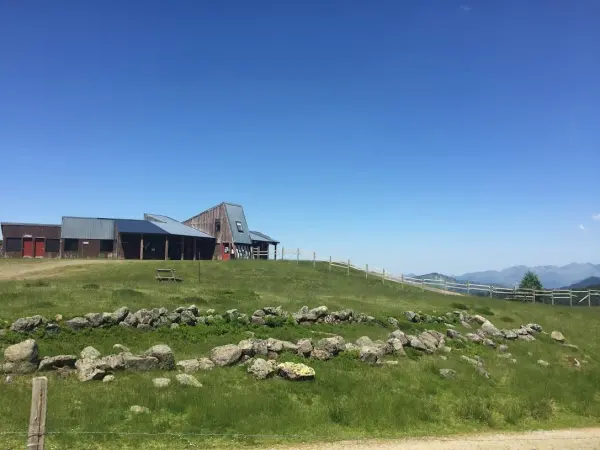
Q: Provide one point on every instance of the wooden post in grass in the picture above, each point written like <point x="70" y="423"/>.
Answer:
<point x="491" y="291"/>
<point x="348" y="268"/>
<point x="468" y="288"/>
<point x="37" y="416"/>
<point x="445" y="287"/>
<point x="533" y="295"/>
<point x="366" y="272"/>
<point x="590" y="298"/>
<point x="298" y="256"/>
<point x="330" y="263"/>
<point x="383" y="278"/>
<point x="314" y="260"/>
<point x="570" y="297"/>
<point x="402" y="280"/>
<point x="552" y="296"/>
<point x="141" y="246"/>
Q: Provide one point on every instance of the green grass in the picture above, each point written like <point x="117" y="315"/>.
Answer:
<point x="348" y="399"/>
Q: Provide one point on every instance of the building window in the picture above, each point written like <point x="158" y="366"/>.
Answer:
<point x="238" y="224"/>
<point x="217" y="225"/>
<point x="52" y="245"/>
<point x="106" y="245"/>
<point x="12" y="244"/>
<point x="71" y="245"/>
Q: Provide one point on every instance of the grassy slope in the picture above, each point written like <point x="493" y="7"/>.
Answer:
<point x="348" y="398"/>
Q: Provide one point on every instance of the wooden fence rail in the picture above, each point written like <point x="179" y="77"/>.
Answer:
<point x="550" y="296"/>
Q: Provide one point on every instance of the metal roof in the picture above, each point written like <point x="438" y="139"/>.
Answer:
<point x="87" y="228"/>
<point x="257" y="236"/>
<point x="235" y="213"/>
<point x="30" y="224"/>
<point x="138" y="226"/>
<point x="171" y="226"/>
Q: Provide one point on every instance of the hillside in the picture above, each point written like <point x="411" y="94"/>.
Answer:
<point x="588" y="283"/>
<point x="402" y="395"/>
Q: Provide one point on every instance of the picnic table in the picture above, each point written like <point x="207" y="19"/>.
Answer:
<point x="167" y="275"/>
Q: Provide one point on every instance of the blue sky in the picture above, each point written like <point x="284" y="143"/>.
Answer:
<point x="411" y="135"/>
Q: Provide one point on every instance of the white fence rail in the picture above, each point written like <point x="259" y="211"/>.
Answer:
<point x="570" y="297"/>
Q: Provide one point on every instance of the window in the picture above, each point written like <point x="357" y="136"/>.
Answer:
<point x="52" y="245"/>
<point x="12" y="244"/>
<point x="106" y="245"/>
<point x="238" y="224"/>
<point x="71" y="245"/>
<point x="217" y="225"/>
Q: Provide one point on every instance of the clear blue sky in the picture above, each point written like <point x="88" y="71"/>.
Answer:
<point x="411" y="135"/>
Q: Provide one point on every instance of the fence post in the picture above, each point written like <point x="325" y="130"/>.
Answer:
<point x="314" y="260"/>
<point x="383" y="279"/>
<point x="590" y="298"/>
<point x="445" y="287"/>
<point x="348" y="270"/>
<point x="367" y="272"/>
<point x="422" y="284"/>
<point x="570" y="297"/>
<point x="330" y="263"/>
<point x="552" y="296"/>
<point x="298" y="256"/>
<point x="37" y="416"/>
<point x="491" y="291"/>
<point x="533" y="295"/>
<point x="468" y="288"/>
<point x="402" y="280"/>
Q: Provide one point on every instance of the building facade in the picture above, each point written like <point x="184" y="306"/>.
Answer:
<point x="30" y="240"/>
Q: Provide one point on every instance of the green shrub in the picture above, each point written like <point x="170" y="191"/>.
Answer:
<point x="91" y="286"/>
<point x="37" y="283"/>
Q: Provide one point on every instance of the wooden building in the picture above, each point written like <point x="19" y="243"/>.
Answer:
<point x="30" y="240"/>
<point x="227" y="223"/>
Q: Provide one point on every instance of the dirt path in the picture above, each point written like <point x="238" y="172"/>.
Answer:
<point x="571" y="439"/>
<point x="26" y="269"/>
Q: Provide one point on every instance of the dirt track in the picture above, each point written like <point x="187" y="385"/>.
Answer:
<point x="571" y="439"/>
<point x="22" y="270"/>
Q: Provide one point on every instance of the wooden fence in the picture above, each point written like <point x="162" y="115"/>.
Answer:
<point x="570" y="297"/>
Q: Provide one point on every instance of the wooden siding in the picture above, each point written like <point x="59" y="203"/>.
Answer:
<point x="205" y="221"/>
<point x="89" y="250"/>
<point x="29" y="230"/>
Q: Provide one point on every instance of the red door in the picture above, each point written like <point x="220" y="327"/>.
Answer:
<point x="40" y="247"/>
<point x="27" y="248"/>
<point x="225" y="250"/>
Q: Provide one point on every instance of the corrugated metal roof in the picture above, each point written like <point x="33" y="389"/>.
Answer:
<point x="235" y="213"/>
<point x="138" y="226"/>
<point x="87" y="228"/>
<point x="30" y="224"/>
<point x="257" y="236"/>
<point x="171" y="226"/>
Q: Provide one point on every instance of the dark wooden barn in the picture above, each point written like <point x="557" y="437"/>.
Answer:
<point x="30" y="240"/>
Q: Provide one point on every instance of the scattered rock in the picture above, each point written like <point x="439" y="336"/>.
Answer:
<point x="261" y="369"/>
<point x="411" y="316"/>
<point x="543" y="363"/>
<point x="557" y="336"/>
<point x="535" y="327"/>
<point x="187" y="380"/>
<point x="452" y="334"/>
<point x="526" y="337"/>
<point x="364" y="341"/>
<point x="474" y="337"/>
<point x="189" y="365"/>
<point x="295" y="371"/>
<point x="78" y="323"/>
<point x="479" y="319"/>
<point x="120" y="348"/>
<point x="371" y="354"/>
<point x="136" y="409"/>
<point x="55" y="362"/>
<point x="447" y="373"/>
<point x="503" y="348"/>
<point x="305" y="347"/>
<point x="25" y="324"/>
<point x="90" y="353"/>
<point x="161" y="382"/>
<point x="510" y="334"/>
<point x="393" y="322"/>
<point x="320" y="354"/>
<point x="94" y="319"/>
<point x="490" y="330"/>
<point x="416" y="343"/>
<point x="21" y="358"/>
<point x="397" y="347"/>
<point x="164" y="354"/>
<point x="489" y="343"/>
<point x="108" y="378"/>
<point x="225" y="355"/>
<point x="471" y="361"/>
<point x="397" y="334"/>
<point x="465" y="324"/>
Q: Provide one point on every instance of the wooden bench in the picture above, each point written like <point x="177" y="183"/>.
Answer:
<point x="167" y="275"/>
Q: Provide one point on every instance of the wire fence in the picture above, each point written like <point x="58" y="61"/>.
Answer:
<point x="563" y="297"/>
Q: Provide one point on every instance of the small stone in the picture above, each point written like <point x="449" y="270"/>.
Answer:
<point x="473" y="337"/>
<point x="452" y="334"/>
<point x="397" y="334"/>
<point x="95" y="319"/>
<point x="489" y="343"/>
<point x="479" y="319"/>
<point x="108" y="378"/>
<point x="295" y="371"/>
<point x="411" y="316"/>
<point x="261" y="369"/>
<point x="136" y="409"/>
<point x="471" y="361"/>
<point x="164" y="354"/>
<point x="205" y="364"/>
<point x="120" y="348"/>
<point x="364" y="341"/>
<point x="26" y="351"/>
<point x="161" y="382"/>
<point x="55" y="362"/>
<point x="174" y="326"/>
<point x="187" y="380"/>
<point x="526" y="337"/>
<point x="417" y="344"/>
<point x="446" y="349"/>
<point x="188" y="365"/>
<point x="510" y="334"/>
<point x="371" y="354"/>
<point x="503" y="348"/>
<point x="90" y="353"/>
<point x="543" y="363"/>
<point x="447" y="373"/>
<point x="393" y="322"/>
<point x="58" y="318"/>
<point x="225" y="355"/>
<point x="535" y="327"/>
<point x="305" y="347"/>
<point x="443" y="358"/>
<point x="257" y="320"/>
<point x="465" y="324"/>
<point x="78" y="323"/>
<point x="320" y="354"/>
<point x="557" y="336"/>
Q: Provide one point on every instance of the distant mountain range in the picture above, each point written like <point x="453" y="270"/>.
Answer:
<point x="588" y="283"/>
<point x="550" y="276"/>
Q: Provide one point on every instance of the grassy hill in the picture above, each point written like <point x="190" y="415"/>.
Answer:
<point x="347" y="399"/>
